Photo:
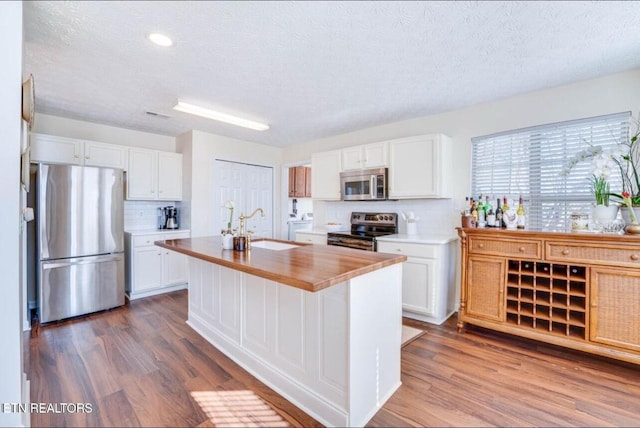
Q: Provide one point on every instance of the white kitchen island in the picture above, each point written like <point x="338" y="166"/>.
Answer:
<point x="320" y="325"/>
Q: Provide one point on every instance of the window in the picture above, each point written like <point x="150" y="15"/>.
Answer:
<point x="532" y="162"/>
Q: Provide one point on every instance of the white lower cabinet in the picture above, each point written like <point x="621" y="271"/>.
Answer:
<point x="428" y="279"/>
<point x="311" y="237"/>
<point x="151" y="269"/>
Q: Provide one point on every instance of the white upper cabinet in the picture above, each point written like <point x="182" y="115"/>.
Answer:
<point x="106" y="155"/>
<point x="142" y="177"/>
<point x="154" y="175"/>
<point x="367" y="156"/>
<point x="325" y="175"/>
<point x="170" y="176"/>
<point x="420" y="167"/>
<point x="53" y="149"/>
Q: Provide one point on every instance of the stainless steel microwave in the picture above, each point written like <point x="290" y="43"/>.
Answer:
<point x="364" y="185"/>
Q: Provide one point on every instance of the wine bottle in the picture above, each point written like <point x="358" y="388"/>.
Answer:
<point x="505" y="208"/>
<point x="499" y="222"/>
<point x="521" y="214"/>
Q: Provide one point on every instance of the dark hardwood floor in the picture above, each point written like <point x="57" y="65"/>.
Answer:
<point x="141" y="365"/>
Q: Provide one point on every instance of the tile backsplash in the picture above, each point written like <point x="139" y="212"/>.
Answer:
<point x="436" y="216"/>
<point x="144" y="215"/>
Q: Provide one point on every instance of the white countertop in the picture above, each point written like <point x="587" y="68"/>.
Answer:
<point x="312" y="231"/>
<point x="155" y="231"/>
<point x="419" y="239"/>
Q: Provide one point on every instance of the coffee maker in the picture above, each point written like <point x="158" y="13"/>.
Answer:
<point x="169" y="218"/>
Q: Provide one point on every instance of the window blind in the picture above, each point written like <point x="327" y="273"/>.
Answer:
<point x="532" y="162"/>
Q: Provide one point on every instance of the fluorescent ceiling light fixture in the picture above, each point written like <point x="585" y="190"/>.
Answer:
<point x="160" y="39"/>
<point x="222" y="117"/>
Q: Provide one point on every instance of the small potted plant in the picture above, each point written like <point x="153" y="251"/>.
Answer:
<point x="601" y="167"/>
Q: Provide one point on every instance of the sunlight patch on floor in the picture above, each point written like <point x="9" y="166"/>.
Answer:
<point x="237" y="409"/>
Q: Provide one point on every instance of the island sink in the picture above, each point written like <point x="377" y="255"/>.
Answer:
<point x="272" y="245"/>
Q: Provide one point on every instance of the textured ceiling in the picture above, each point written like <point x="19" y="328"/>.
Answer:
<point x="312" y="69"/>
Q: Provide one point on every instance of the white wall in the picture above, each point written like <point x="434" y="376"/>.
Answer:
<point x="63" y="127"/>
<point x="609" y="94"/>
<point x="200" y="149"/>
<point x="10" y="138"/>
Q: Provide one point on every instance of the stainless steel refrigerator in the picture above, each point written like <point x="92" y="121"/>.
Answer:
<point x="80" y="238"/>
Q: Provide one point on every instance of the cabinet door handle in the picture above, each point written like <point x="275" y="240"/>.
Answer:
<point x="76" y="156"/>
<point x="565" y="252"/>
<point x="153" y="191"/>
<point x="148" y="242"/>
<point x="399" y="250"/>
<point x="167" y="253"/>
<point x="87" y="157"/>
<point x="480" y="245"/>
<point x="521" y="249"/>
<point x="634" y="257"/>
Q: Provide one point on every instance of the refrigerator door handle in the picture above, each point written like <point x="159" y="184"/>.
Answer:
<point x="81" y="261"/>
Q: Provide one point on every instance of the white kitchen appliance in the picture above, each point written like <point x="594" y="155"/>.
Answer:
<point x="364" y="185"/>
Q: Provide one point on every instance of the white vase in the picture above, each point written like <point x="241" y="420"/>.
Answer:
<point x="227" y="241"/>
<point x="604" y="214"/>
<point x="625" y="214"/>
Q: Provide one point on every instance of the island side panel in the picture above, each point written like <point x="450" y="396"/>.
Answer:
<point x="375" y="311"/>
<point x="291" y="339"/>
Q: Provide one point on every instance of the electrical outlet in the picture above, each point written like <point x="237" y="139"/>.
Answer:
<point x="140" y="213"/>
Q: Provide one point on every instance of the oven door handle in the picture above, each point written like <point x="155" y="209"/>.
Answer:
<point x="373" y="187"/>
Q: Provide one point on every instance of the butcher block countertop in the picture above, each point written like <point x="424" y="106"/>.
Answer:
<point x="307" y="266"/>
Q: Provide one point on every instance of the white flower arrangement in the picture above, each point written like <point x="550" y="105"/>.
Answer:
<point x="230" y="205"/>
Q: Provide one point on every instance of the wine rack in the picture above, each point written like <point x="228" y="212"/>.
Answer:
<point x="547" y="297"/>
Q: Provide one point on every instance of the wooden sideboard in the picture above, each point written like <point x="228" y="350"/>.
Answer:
<point x="577" y="290"/>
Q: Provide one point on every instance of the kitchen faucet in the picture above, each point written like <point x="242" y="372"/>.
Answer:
<point x="242" y="218"/>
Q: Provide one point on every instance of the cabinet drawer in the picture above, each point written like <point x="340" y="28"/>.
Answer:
<point x="145" y="240"/>
<point x="521" y="248"/>
<point x="408" y="249"/>
<point x="585" y="253"/>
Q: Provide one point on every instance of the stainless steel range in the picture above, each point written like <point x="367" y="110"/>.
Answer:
<point x="365" y="227"/>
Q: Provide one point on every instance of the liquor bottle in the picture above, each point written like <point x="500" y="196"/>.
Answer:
<point x="467" y="206"/>
<point x="480" y="205"/>
<point x="474" y="210"/>
<point x="521" y="214"/>
<point x="487" y="205"/>
<point x="499" y="222"/>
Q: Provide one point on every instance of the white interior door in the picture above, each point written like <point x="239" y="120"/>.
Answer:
<point x="250" y="187"/>
<point x="259" y="191"/>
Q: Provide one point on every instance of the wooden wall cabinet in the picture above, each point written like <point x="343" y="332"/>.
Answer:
<point x="300" y="182"/>
<point x="574" y="290"/>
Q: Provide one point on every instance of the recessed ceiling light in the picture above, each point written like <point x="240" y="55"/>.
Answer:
<point x="160" y="39"/>
<point x="222" y="117"/>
